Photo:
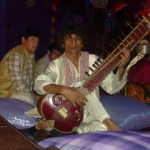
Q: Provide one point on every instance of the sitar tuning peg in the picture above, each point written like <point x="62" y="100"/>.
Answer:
<point x="107" y="52"/>
<point x="128" y="24"/>
<point x="87" y="73"/>
<point x="94" y="65"/>
<point x="111" y="46"/>
<point x="119" y="38"/>
<point x="137" y="16"/>
<point x="116" y="42"/>
<point x="91" y="69"/>
<point x="100" y="59"/>
<point x="123" y="34"/>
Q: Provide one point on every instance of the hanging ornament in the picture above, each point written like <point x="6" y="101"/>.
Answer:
<point x="52" y="29"/>
<point x="53" y="21"/>
<point x="54" y="7"/>
<point x="51" y="40"/>
<point x="100" y="3"/>
<point x="27" y="13"/>
<point x="30" y="3"/>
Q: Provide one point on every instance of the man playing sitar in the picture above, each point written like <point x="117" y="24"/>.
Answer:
<point x="59" y="78"/>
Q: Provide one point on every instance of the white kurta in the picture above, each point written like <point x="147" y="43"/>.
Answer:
<point x="41" y="64"/>
<point x="94" y="112"/>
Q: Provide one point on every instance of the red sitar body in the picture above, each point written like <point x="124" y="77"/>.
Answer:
<point x="60" y="113"/>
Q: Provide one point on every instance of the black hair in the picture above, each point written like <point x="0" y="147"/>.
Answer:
<point x="71" y="28"/>
<point x="52" y="46"/>
<point x="30" y="31"/>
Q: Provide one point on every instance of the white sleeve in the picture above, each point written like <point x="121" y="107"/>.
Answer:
<point x="111" y="83"/>
<point x="47" y="77"/>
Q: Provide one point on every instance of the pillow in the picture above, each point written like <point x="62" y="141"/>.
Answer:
<point x="13" y="111"/>
<point x="128" y="113"/>
<point x="102" y="140"/>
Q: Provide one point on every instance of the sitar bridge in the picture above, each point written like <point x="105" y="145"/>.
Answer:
<point x="63" y="112"/>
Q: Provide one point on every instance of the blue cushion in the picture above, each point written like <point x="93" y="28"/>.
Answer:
<point x="13" y="111"/>
<point x="128" y="113"/>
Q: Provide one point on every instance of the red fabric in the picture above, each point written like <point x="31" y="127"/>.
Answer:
<point x="140" y="72"/>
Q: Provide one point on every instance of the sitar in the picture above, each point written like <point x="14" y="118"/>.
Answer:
<point x="59" y="113"/>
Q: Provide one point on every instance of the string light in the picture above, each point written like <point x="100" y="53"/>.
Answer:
<point x="53" y="21"/>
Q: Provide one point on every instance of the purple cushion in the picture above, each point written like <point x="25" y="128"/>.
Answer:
<point x="13" y="111"/>
<point x="104" y="140"/>
<point x="128" y="113"/>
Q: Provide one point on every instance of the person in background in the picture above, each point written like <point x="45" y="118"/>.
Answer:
<point x="53" y="53"/>
<point x="140" y="71"/>
<point x="58" y="77"/>
<point x="17" y="68"/>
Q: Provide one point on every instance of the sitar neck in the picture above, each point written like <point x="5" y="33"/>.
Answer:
<point x="115" y="57"/>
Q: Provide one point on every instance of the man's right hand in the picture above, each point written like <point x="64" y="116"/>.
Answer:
<point x="74" y="96"/>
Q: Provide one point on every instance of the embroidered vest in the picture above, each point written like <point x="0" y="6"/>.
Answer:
<point x="6" y="87"/>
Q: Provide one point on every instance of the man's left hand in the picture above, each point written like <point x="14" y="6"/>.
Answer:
<point x="125" y="59"/>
